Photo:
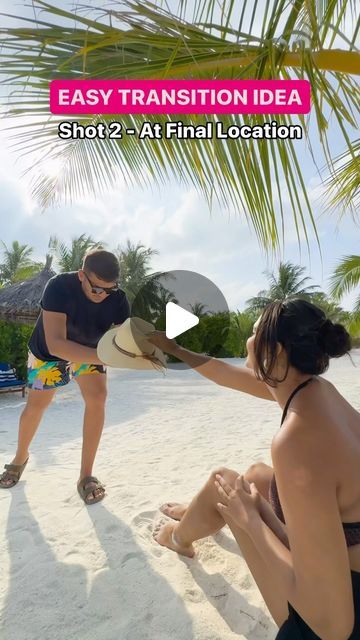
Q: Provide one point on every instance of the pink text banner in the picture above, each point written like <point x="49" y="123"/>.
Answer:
<point x="179" y="96"/>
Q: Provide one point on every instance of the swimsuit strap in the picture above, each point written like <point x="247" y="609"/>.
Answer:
<point x="300" y="386"/>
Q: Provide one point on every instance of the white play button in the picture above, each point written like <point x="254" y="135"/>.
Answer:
<point x="178" y="320"/>
<point x="198" y="313"/>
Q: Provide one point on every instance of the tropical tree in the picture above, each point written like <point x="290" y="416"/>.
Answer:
<point x="70" y="258"/>
<point x="135" y="266"/>
<point x="145" y="290"/>
<point x="198" y="309"/>
<point x="198" y="39"/>
<point x="241" y="328"/>
<point x="210" y="336"/>
<point x="164" y="296"/>
<point x="17" y="264"/>
<point x="345" y="278"/>
<point x="333" y="310"/>
<point x="287" y="283"/>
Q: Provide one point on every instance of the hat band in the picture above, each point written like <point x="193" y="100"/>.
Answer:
<point x="153" y="359"/>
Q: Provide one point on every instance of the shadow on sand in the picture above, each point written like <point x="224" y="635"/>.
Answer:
<point x="48" y="599"/>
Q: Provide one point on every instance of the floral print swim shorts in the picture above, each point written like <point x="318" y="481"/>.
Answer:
<point x="44" y="375"/>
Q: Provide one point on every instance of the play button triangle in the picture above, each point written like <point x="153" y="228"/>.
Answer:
<point x="178" y="320"/>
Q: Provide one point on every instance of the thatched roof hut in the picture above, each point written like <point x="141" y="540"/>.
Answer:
<point x="22" y="299"/>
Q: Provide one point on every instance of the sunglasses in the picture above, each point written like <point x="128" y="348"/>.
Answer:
<point x="96" y="289"/>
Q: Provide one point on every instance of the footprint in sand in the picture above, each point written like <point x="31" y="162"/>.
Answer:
<point x="144" y="516"/>
<point x="144" y="524"/>
<point x="194" y="595"/>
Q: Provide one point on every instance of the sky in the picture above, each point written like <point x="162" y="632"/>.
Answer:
<point x="176" y="222"/>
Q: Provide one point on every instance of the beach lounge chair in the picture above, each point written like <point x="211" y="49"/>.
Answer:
<point x="9" y="380"/>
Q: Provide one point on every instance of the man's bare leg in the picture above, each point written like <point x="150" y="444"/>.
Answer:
<point x="36" y="404"/>
<point x="93" y="389"/>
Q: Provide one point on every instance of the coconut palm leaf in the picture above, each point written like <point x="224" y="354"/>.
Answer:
<point x="197" y="40"/>
<point x="24" y="273"/>
<point x="345" y="278"/>
<point x="344" y="180"/>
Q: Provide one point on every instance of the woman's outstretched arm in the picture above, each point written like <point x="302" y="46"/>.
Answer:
<point x="222" y="373"/>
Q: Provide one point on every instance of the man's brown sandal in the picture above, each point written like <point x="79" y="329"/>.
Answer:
<point x="85" y="490"/>
<point x="13" y="473"/>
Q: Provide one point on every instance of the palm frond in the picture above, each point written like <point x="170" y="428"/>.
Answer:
<point x="199" y="40"/>
<point x="343" y="183"/>
<point x="70" y="258"/>
<point x="346" y="276"/>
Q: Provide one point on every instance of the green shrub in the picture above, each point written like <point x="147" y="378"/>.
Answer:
<point x="220" y="335"/>
<point x="13" y="345"/>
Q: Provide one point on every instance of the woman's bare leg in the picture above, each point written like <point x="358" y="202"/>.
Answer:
<point x="259" y="473"/>
<point x="202" y="519"/>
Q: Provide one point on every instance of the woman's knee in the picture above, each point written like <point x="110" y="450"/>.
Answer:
<point x="256" y="470"/>
<point x="229" y="475"/>
<point x="261" y="475"/>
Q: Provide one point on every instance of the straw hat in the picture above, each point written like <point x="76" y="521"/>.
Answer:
<point x="126" y="346"/>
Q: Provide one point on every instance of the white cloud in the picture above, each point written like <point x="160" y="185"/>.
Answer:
<point x="176" y="222"/>
<point x="179" y="225"/>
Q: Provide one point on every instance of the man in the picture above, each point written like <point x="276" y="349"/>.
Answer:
<point x="77" y="308"/>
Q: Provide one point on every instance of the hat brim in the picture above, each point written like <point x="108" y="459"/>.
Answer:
<point x="109" y="355"/>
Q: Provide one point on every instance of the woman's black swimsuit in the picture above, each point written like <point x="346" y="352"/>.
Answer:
<point x="294" y="628"/>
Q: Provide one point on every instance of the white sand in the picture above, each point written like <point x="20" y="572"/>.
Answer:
<point x="68" y="571"/>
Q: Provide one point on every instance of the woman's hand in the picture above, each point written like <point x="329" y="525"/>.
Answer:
<point x="159" y="339"/>
<point x="241" y="504"/>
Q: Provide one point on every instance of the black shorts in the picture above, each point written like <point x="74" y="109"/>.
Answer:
<point x="294" y="628"/>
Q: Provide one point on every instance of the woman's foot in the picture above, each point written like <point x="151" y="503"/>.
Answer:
<point x="165" y="535"/>
<point x="174" y="510"/>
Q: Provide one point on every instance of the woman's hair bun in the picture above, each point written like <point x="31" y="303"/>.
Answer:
<point x="335" y="339"/>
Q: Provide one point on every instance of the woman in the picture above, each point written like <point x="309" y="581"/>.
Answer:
<point x="308" y="570"/>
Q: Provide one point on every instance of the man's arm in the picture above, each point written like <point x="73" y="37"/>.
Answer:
<point x="59" y="346"/>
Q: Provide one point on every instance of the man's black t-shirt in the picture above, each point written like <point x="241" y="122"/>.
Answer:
<point x="86" y="321"/>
